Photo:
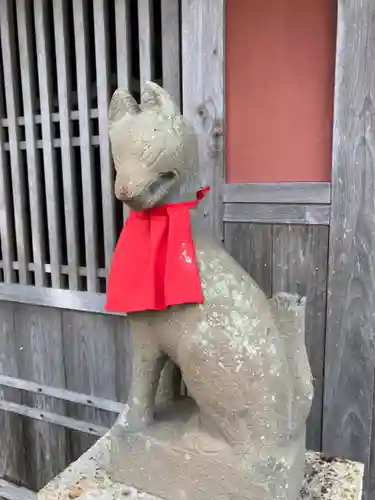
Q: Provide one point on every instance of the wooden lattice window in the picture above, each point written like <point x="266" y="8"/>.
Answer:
<point x="60" y="60"/>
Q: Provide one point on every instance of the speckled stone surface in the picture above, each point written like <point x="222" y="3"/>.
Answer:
<point x="87" y="479"/>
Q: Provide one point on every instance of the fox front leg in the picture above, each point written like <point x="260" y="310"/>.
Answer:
<point x="147" y="364"/>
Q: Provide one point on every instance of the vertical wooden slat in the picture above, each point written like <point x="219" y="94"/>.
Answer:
<point x="349" y="365"/>
<point x="5" y="206"/>
<point x="123" y="48"/>
<point x="251" y="246"/>
<point x="145" y="14"/>
<point x="38" y="331"/>
<point x="50" y="166"/>
<point x="29" y="94"/>
<point x="68" y="168"/>
<point x="123" y="53"/>
<point x="102" y="79"/>
<point x="300" y="258"/>
<point x="203" y="98"/>
<point x="170" y="20"/>
<point x="87" y="166"/>
<point x="11" y="81"/>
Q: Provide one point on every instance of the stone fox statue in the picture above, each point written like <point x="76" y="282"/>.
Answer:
<point x="242" y="356"/>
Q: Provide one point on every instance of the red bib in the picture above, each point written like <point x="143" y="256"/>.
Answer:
<point x="154" y="264"/>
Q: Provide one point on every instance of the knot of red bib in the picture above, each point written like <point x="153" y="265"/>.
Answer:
<point x="154" y="264"/>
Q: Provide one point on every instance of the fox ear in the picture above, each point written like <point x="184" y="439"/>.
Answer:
<point x="155" y="97"/>
<point x="122" y="104"/>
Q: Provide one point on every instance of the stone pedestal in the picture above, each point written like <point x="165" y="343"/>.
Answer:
<point x="176" y="459"/>
<point x="88" y="479"/>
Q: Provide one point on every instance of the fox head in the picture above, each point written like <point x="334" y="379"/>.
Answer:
<point x="153" y="146"/>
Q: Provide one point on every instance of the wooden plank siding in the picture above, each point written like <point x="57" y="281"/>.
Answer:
<point x="291" y="259"/>
<point x="12" y="457"/>
<point x="300" y="259"/>
<point x="54" y="392"/>
<point x="349" y="361"/>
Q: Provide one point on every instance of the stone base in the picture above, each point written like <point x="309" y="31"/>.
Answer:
<point x="176" y="460"/>
<point x="88" y="479"/>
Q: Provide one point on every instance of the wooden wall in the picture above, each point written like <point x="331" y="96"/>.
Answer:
<point x="316" y="239"/>
<point x="285" y="258"/>
<point x="82" y="352"/>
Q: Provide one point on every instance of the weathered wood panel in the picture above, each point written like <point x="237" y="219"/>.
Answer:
<point x="12" y="457"/>
<point x="277" y="213"/>
<point x="291" y="259"/>
<point x="203" y="97"/>
<point x="40" y="358"/>
<point x="306" y="193"/>
<point x="91" y="353"/>
<point x="349" y="363"/>
<point x="251" y="246"/>
<point x="54" y="350"/>
<point x="300" y="256"/>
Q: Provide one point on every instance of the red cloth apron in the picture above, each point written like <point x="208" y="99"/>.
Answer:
<point x="154" y="264"/>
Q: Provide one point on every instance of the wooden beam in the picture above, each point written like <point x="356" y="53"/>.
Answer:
<point x="82" y="271"/>
<point x="10" y="491"/>
<point x="203" y="100"/>
<point x="349" y="356"/>
<point x="307" y="193"/>
<point x="53" y="418"/>
<point x="63" y="394"/>
<point x="50" y="297"/>
<point x="277" y="213"/>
